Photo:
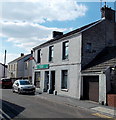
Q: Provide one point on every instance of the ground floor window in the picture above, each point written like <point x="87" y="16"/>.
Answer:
<point x="37" y="79"/>
<point x="64" y="79"/>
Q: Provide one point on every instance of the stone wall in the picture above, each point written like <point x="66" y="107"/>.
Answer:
<point x="100" y="36"/>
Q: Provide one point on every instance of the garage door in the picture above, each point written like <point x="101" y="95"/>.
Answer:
<point x="91" y="88"/>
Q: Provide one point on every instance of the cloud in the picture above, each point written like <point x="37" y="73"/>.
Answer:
<point x="27" y="35"/>
<point x="43" y="10"/>
<point x="9" y="57"/>
<point x="22" y="21"/>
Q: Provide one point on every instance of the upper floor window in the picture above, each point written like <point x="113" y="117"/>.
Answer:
<point x="26" y="65"/>
<point x="88" y="47"/>
<point x="14" y="67"/>
<point x="9" y="67"/>
<point x="51" y="53"/>
<point x="65" y="50"/>
<point x="38" y="56"/>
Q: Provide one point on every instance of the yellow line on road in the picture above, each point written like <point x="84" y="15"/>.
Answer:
<point x="102" y="116"/>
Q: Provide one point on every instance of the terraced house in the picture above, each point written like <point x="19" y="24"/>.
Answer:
<point x="79" y="64"/>
<point x="21" y="67"/>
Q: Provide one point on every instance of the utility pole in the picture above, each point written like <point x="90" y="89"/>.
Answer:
<point x="4" y="63"/>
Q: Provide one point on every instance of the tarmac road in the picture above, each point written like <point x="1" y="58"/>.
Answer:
<point x="32" y="106"/>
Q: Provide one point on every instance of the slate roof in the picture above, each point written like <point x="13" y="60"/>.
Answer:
<point x="105" y="59"/>
<point x="19" y="58"/>
<point x="69" y="33"/>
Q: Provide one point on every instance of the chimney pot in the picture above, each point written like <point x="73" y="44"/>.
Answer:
<point x="22" y="54"/>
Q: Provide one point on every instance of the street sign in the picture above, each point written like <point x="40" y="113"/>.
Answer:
<point x="44" y="66"/>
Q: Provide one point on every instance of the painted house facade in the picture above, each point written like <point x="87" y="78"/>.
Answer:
<point x="60" y="65"/>
<point x="19" y="67"/>
<point x="28" y="68"/>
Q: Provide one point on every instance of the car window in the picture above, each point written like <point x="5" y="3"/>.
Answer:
<point x="24" y="83"/>
<point x="6" y="80"/>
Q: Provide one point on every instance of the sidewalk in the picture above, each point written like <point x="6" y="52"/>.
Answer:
<point x="84" y="104"/>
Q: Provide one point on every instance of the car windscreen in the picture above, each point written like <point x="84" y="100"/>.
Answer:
<point x="24" y="83"/>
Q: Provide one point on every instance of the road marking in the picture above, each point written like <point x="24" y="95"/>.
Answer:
<point x="4" y="114"/>
<point x="105" y="110"/>
<point x="101" y="115"/>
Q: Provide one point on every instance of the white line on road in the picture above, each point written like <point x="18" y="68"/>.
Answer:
<point x="105" y="110"/>
<point x="4" y="114"/>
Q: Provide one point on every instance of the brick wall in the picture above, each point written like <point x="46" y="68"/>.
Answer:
<point x="111" y="100"/>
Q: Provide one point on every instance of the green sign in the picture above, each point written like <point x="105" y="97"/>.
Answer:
<point x="44" y="66"/>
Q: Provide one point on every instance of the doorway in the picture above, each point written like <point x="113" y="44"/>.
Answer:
<point x="46" y="82"/>
<point x="91" y="88"/>
<point x="52" y="81"/>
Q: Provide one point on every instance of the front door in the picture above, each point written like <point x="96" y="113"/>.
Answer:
<point x="46" y="82"/>
<point x="52" y="81"/>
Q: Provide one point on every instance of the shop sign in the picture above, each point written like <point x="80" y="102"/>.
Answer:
<point x="44" y="66"/>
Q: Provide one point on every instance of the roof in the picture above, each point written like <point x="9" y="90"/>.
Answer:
<point x="19" y="58"/>
<point x="28" y="59"/>
<point x="105" y="59"/>
<point x="3" y="65"/>
<point x="81" y="29"/>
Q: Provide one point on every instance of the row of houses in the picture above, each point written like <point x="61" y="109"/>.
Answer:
<point x="21" y="67"/>
<point x="79" y="64"/>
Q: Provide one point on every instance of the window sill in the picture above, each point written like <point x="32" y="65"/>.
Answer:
<point x="50" y="61"/>
<point x="65" y="60"/>
<point x="65" y="90"/>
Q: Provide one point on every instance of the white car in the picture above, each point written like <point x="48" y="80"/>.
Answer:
<point x="23" y="86"/>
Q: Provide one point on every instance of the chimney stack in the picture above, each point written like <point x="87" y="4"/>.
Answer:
<point x="22" y="54"/>
<point x="31" y="51"/>
<point x="57" y="34"/>
<point x="108" y="13"/>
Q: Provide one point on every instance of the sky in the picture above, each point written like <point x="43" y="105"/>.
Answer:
<point x="26" y="24"/>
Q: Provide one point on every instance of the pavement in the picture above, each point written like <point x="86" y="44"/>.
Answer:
<point x="97" y="109"/>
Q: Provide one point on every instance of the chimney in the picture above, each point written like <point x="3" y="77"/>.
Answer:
<point x="31" y="51"/>
<point x="57" y="34"/>
<point x="22" y="54"/>
<point x="108" y="13"/>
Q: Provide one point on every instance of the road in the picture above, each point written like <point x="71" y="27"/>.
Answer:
<point x="32" y="106"/>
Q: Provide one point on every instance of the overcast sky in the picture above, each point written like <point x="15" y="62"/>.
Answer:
<point x="28" y="23"/>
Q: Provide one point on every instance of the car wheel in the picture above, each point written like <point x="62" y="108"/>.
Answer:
<point x="19" y="92"/>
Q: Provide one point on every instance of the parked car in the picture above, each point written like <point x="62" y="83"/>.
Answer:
<point x="23" y="86"/>
<point x="6" y="83"/>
